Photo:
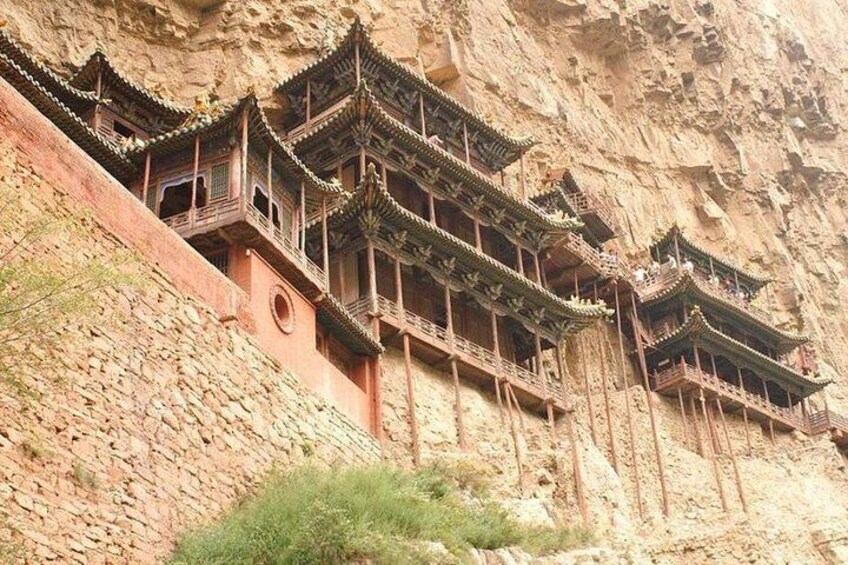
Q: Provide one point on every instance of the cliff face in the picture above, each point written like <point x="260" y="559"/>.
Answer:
<point x="723" y="116"/>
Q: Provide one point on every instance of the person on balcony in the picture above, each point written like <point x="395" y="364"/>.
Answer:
<point x="671" y="261"/>
<point x="654" y="268"/>
<point x="688" y="266"/>
<point x="639" y="275"/>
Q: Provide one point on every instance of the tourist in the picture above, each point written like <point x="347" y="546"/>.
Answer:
<point x="671" y="261"/>
<point x="639" y="275"/>
<point x="688" y="266"/>
<point x="654" y="269"/>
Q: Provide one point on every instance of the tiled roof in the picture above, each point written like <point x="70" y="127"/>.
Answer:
<point x="334" y="316"/>
<point x="697" y="327"/>
<point x="686" y="283"/>
<point x="358" y="32"/>
<point x="362" y="105"/>
<point x="371" y="195"/>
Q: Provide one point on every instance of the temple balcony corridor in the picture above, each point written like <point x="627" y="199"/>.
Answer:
<point x="435" y="345"/>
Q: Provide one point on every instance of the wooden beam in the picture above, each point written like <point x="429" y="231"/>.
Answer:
<point x="302" y="216"/>
<point x="644" y="366"/>
<point x="732" y="459"/>
<point x="581" y="353"/>
<point x="244" y="149"/>
<point x="605" y="389"/>
<point x="146" y="183"/>
<point x="523" y="178"/>
<point x="701" y="450"/>
<point x="308" y="104"/>
<point x="496" y="349"/>
<point x="195" y="168"/>
<point x="460" y="426"/>
<point x="630" y="432"/>
<point x="269" y="180"/>
<point x="325" y="244"/>
<point x="713" y="455"/>
<point x="515" y="441"/>
<point x="562" y="369"/>
<point x="744" y="409"/>
<point x="465" y="141"/>
<point x="421" y="114"/>
<point x="519" y="259"/>
<point x="478" y="241"/>
<point x="410" y="402"/>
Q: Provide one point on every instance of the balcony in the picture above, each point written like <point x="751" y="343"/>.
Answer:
<point x="836" y="424"/>
<point x="434" y="344"/>
<point x="238" y="221"/>
<point x="594" y="213"/>
<point x="689" y="380"/>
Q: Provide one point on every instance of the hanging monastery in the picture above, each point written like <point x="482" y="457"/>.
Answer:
<point x="373" y="212"/>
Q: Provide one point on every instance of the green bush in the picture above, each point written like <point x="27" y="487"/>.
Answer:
<point x="379" y="513"/>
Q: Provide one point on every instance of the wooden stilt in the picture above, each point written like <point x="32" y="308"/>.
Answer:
<point x="644" y="367"/>
<point x="308" y="105"/>
<point x="325" y="245"/>
<point x="562" y="369"/>
<point x="582" y="354"/>
<point x="195" y="168"/>
<point x="744" y="409"/>
<point x="770" y="421"/>
<point x="716" y="439"/>
<point x="515" y="441"/>
<point x="145" y="187"/>
<point x="537" y="267"/>
<point x="624" y="380"/>
<point x="478" y="241"/>
<point x="732" y="458"/>
<point x="713" y="456"/>
<point x="683" y="415"/>
<point x="549" y="406"/>
<point x="523" y="178"/>
<point x="496" y="348"/>
<point x="410" y="402"/>
<point x="302" y="216"/>
<point x="517" y="408"/>
<point x="421" y="114"/>
<point x="377" y="385"/>
<point x="244" y="149"/>
<point x="407" y="362"/>
<point x="520" y="259"/>
<point x="607" y="411"/>
<point x="358" y="61"/>
<point x="465" y="142"/>
<point x="268" y="180"/>
<point x="460" y="426"/>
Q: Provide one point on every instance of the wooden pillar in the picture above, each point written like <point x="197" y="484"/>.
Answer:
<point x="549" y="406"/>
<point x="519" y="259"/>
<point x="515" y="441"/>
<point x="732" y="459"/>
<point x="460" y="427"/>
<point x="465" y="142"/>
<point x="376" y="386"/>
<point x="407" y="362"/>
<point x="538" y="267"/>
<point x="701" y="451"/>
<point x="325" y="245"/>
<point x="145" y="187"/>
<point x="768" y="400"/>
<point x="421" y="114"/>
<point x="581" y="352"/>
<point x="496" y="349"/>
<point x="308" y="104"/>
<point x="431" y="204"/>
<point x="607" y="410"/>
<point x="302" y="216"/>
<point x="713" y="457"/>
<point x="683" y="416"/>
<point x="644" y="366"/>
<point x="244" y="146"/>
<point x="576" y="285"/>
<point x="523" y="178"/>
<point x="716" y="439"/>
<point x="362" y="163"/>
<point x="268" y="180"/>
<point x="195" y="168"/>
<point x="744" y="409"/>
<point x="572" y="441"/>
<point x="372" y="278"/>
<point x="630" y="432"/>
<point x="478" y="241"/>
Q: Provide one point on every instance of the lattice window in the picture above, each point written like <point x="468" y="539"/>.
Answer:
<point x="151" y="198"/>
<point x="220" y="261"/>
<point x="220" y="185"/>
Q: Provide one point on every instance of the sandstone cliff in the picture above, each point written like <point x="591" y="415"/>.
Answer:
<point x="724" y="116"/>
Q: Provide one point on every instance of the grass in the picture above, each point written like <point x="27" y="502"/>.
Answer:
<point x="379" y="513"/>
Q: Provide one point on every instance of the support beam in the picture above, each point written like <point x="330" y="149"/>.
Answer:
<point x="478" y="241"/>
<point x="713" y="455"/>
<point x="268" y="181"/>
<point x="768" y="400"/>
<point x="421" y="114"/>
<point x="302" y="216"/>
<point x="496" y="348"/>
<point x="581" y="353"/>
<point x="515" y="442"/>
<point x="562" y="370"/>
<point x="523" y="178"/>
<point x="538" y="267"/>
<point x="244" y="147"/>
<point x="325" y="244"/>
<point x="195" y="168"/>
<point x="683" y="416"/>
<point x="145" y="187"/>
<point x="744" y="409"/>
<point x="701" y="451"/>
<point x="431" y="206"/>
<point x="607" y="410"/>
<point x="649" y="401"/>
<point x="519" y="259"/>
<point x="732" y="458"/>
<point x="357" y="61"/>
<point x="376" y="386"/>
<point x="460" y="426"/>
<point x="624" y="380"/>
<point x="465" y="142"/>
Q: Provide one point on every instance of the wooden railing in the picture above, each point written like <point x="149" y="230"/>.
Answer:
<point x="450" y="342"/>
<point x="826" y="420"/>
<point x="584" y="203"/>
<point x="721" y="387"/>
<point x="233" y="209"/>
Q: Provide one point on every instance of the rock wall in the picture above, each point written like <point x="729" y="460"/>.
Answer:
<point x="151" y="416"/>
<point x="723" y="116"/>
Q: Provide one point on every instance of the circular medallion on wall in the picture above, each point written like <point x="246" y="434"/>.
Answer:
<point x="282" y="309"/>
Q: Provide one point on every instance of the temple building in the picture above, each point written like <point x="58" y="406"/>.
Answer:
<point x="702" y="336"/>
<point x="428" y="246"/>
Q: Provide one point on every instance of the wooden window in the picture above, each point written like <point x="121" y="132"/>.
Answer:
<point x="220" y="260"/>
<point x="151" y="198"/>
<point x="220" y="185"/>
